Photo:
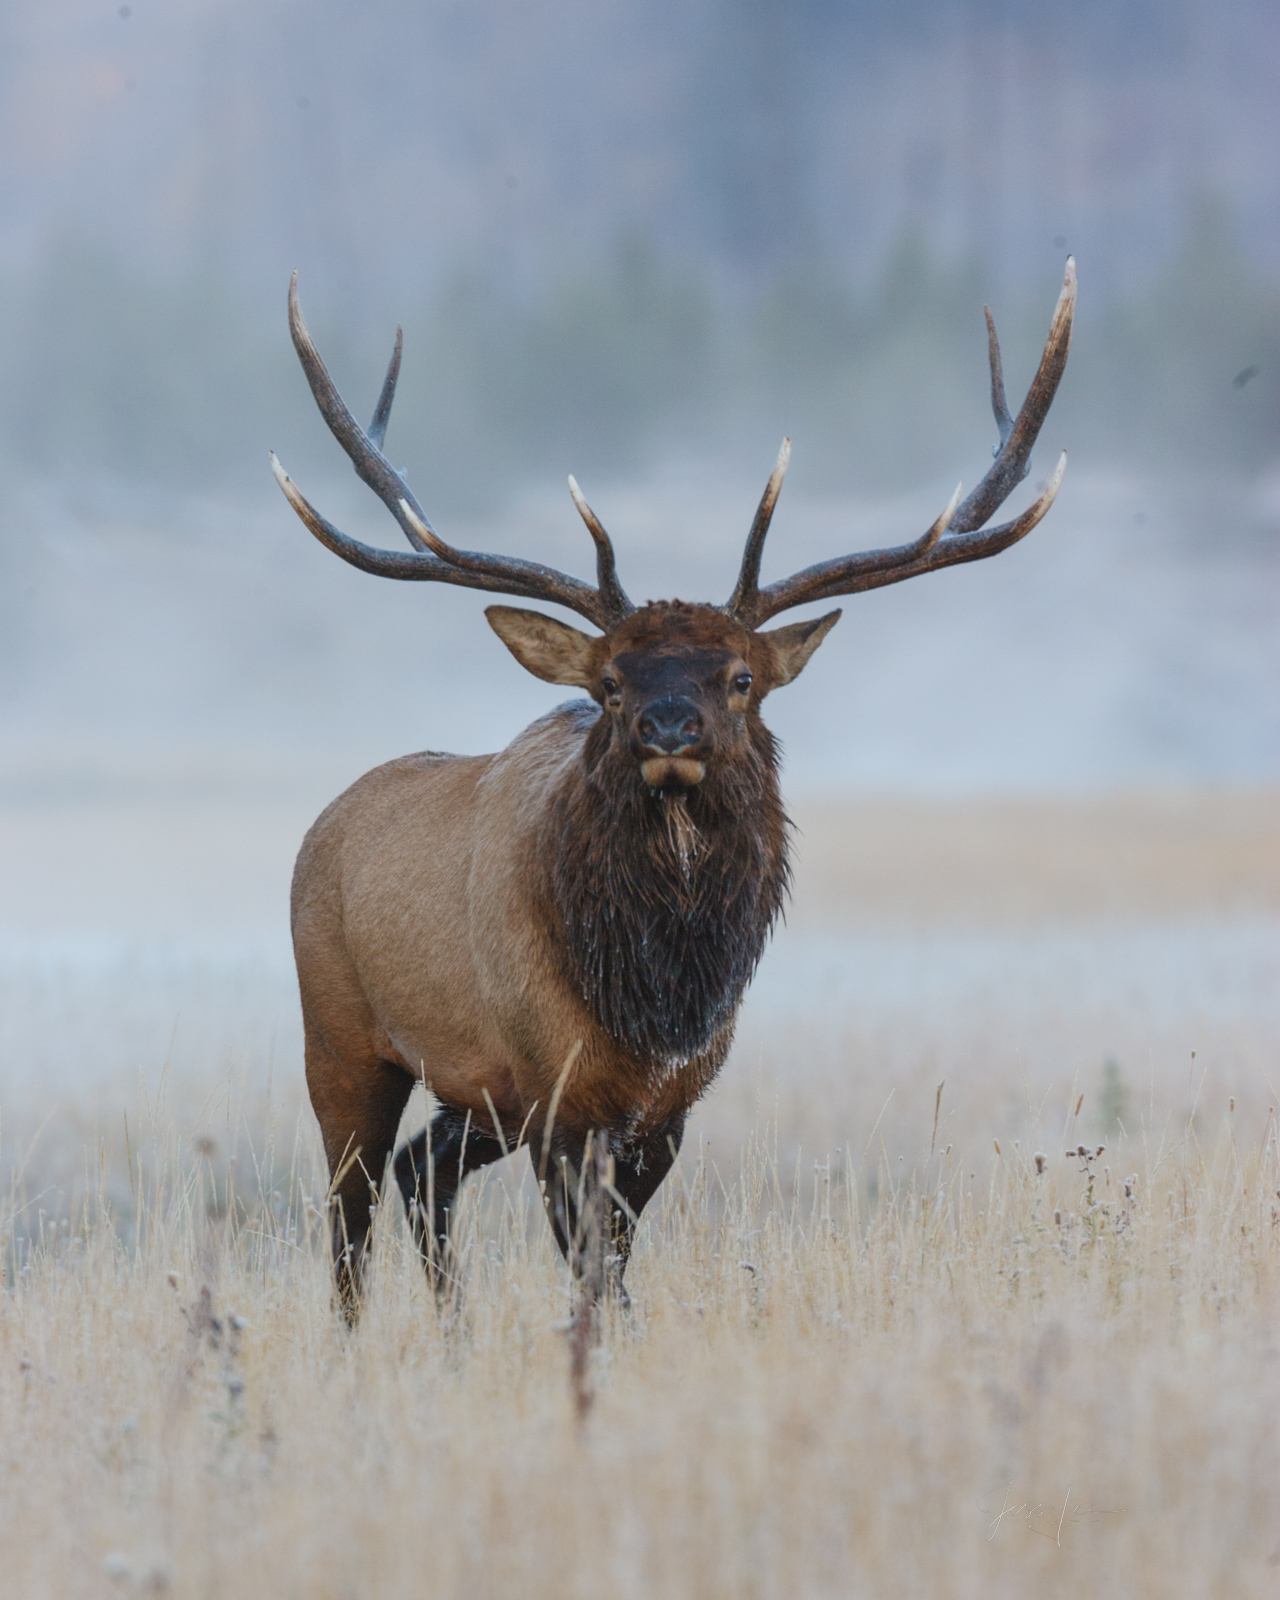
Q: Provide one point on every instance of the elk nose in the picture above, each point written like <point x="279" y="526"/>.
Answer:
<point x="670" y="724"/>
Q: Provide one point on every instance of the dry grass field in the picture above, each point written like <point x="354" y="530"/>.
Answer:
<point x="886" y="1339"/>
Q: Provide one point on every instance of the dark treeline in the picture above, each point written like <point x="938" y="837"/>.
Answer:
<point x="615" y="233"/>
<point x="189" y="381"/>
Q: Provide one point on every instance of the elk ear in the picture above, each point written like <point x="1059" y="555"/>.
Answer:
<point x="791" y="647"/>
<point x="549" y="649"/>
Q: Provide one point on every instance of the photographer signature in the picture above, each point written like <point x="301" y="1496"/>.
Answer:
<point x="1047" y="1521"/>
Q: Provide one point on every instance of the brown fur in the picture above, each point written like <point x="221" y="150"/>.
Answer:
<point x="665" y="902"/>
<point x="479" y="922"/>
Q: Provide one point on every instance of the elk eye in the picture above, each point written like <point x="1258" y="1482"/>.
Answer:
<point x="610" y="686"/>
<point x="742" y="683"/>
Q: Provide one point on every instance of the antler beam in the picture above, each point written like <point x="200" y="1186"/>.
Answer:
<point x="958" y="535"/>
<point x="431" y="559"/>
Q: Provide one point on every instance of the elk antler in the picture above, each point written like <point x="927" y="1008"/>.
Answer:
<point x="955" y="536"/>
<point x="432" y="560"/>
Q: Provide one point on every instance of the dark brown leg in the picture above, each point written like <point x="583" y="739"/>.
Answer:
<point x="638" y="1171"/>
<point x="430" y="1170"/>
<point x="571" y="1188"/>
<point x="358" y="1113"/>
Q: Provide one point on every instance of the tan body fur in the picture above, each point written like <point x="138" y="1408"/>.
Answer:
<point x="420" y="926"/>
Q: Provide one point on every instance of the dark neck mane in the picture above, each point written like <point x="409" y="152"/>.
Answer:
<point x="666" y="901"/>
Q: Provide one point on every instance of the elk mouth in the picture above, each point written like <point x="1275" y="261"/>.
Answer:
<point x="666" y="737"/>
<point x="672" y="772"/>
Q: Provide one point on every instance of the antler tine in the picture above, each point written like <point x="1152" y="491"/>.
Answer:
<point x="529" y="580"/>
<point x="372" y="467"/>
<point x="611" y="610"/>
<point x="1017" y="439"/>
<point x="999" y="405"/>
<point x="385" y="563"/>
<point x="958" y="534"/>
<point x="975" y="546"/>
<point x="382" y="411"/>
<point x="611" y="591"/>
<point x="431" y="559"/>
<point x="875" y="568"/>
<point x="746" y="591"/>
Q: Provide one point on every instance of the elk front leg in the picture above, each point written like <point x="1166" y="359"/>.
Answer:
<point x="575" y="1194"/>
<point x="637" y="1172"/>
<point x="594" y="1203"/>
<point x="430" y="1170"/>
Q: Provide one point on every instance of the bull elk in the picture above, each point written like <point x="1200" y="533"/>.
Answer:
<point x="556" y="939"/>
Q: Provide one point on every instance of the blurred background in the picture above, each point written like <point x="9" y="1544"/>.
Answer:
<point x="638" y="243"/>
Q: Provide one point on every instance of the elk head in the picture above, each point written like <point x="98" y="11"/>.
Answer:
<point x="679" y="682"/>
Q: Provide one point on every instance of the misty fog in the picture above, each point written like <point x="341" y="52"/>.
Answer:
<point x="638" y="243"/>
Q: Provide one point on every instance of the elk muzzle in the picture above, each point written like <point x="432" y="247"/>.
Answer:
<point x="668" y="738"/>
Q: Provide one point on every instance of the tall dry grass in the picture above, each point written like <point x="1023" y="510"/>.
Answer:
<point x="870" y="1354"/>
<point x="1030" y="1372"/>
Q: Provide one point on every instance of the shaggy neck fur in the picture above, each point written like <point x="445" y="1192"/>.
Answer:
<point x="666" y="901"/>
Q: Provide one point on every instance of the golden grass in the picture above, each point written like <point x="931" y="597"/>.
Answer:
<point x="918" y="1367"/>
<point x="965" y="1386"/>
